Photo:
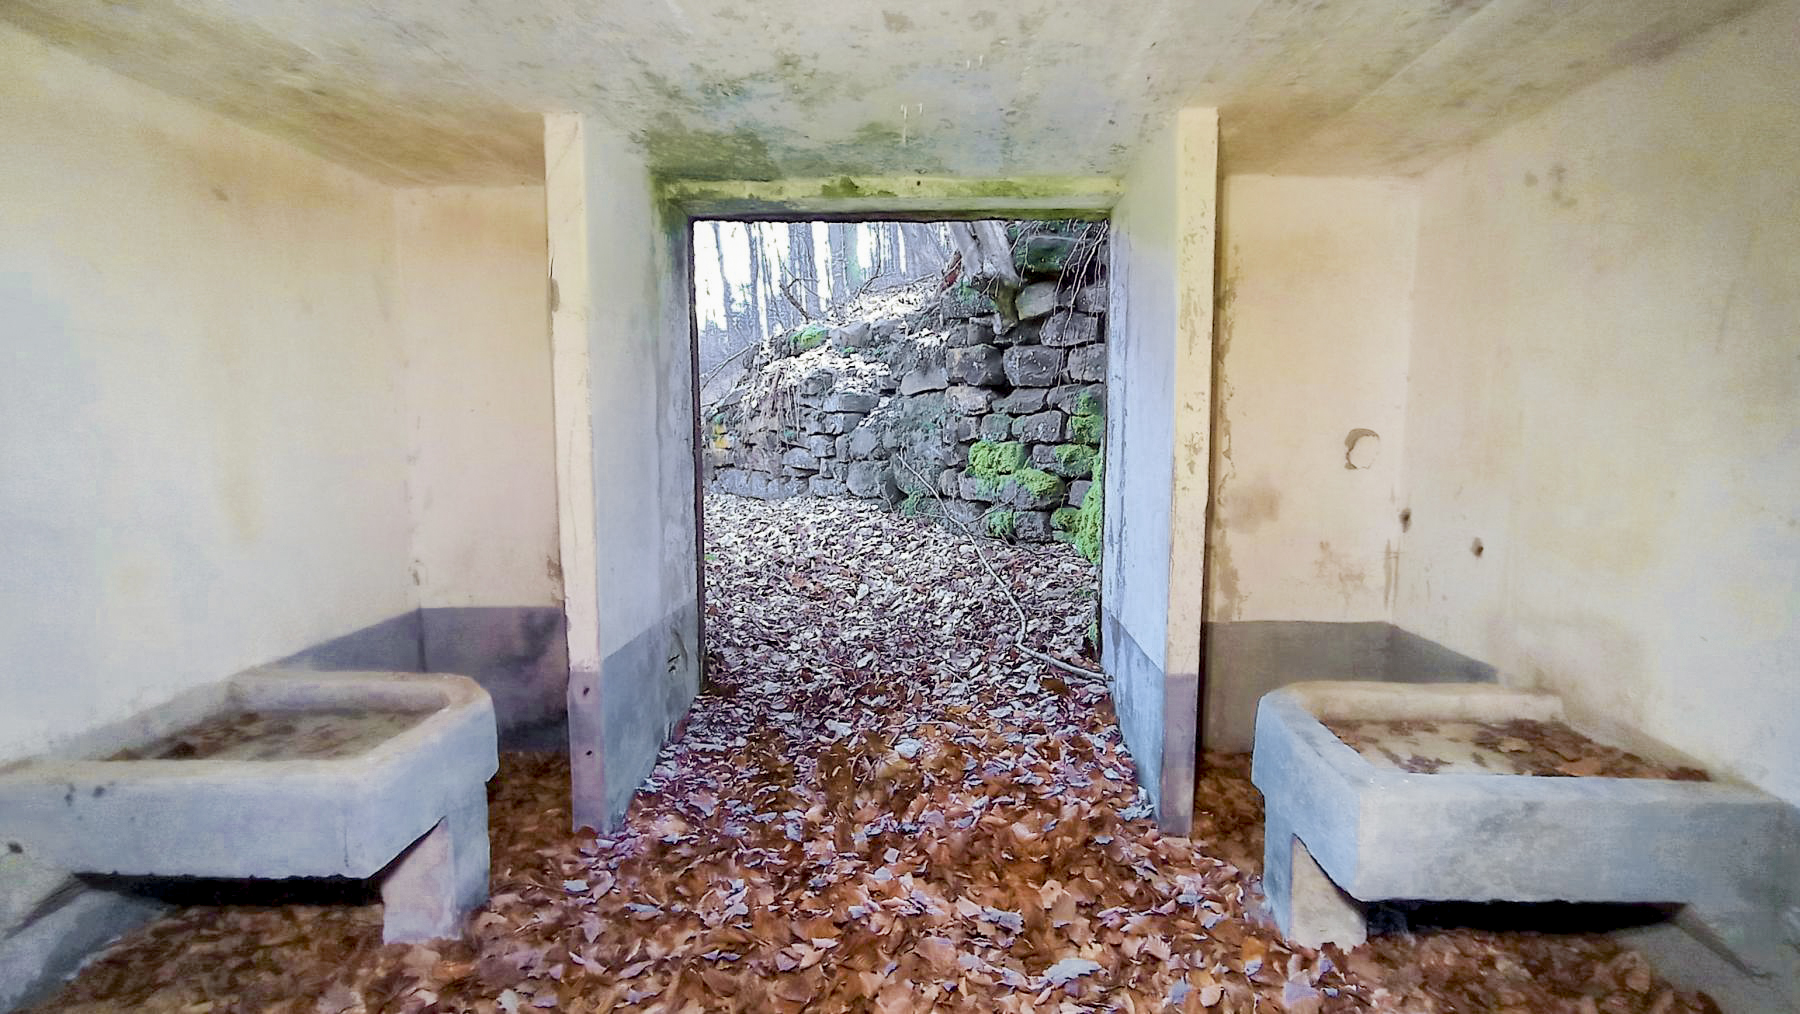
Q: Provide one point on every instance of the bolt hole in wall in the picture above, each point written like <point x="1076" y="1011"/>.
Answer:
<point x="936" y="389"/>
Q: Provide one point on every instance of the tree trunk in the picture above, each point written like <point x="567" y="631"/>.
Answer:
<point x="890" y="252"/>
<point x="803" y="270"/>
<point x="782" y="315"/>
<point x="758" y="311"/>
<point x="838" y="250"/>
<point x="925" y="252"/>
<point x="731" y="313"/>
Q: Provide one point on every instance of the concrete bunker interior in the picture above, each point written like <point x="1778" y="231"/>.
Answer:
<point x="1415" y="295"/>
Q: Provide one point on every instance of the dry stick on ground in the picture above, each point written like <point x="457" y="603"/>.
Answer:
<point x="1000" y="582"/>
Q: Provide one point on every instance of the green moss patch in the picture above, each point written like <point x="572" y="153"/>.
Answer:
<point x="1038" y="481"/>
<point x="1086" y="526"/>
<point x="1002" y="524"/>
<point x="807" y="338"/>
<point x="1087" y="429"/>
<point x="992" y="460"/>
<point x="1076" y="460"/>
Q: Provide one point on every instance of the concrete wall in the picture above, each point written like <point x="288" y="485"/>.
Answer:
<point x="201" y="420"/>
<point x="202" y="430"/>
<point x="474" y="298"/>
<point x="1159" y="368"/>
<point x="624" y="410"/>
<point x="1314" y="306"/>
<point x="1602" y="394"/>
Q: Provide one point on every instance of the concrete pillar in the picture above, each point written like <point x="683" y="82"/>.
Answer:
<point x="1158" y="463"/>
<point x="623" y="383"/>
<point x="428" y="891"/>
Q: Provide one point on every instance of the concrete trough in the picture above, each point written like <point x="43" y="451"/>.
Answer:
<point x="281" y="773"/>
<point x="1342" y="831"/>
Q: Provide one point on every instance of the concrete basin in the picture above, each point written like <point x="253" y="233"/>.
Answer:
<point x="278" y="773"/>
<point x="1342" y="830"/>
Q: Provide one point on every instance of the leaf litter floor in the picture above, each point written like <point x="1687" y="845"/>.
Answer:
<point x="866" y="812"/>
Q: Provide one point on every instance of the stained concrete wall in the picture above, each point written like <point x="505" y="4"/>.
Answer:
<point x="1159" y="355"/>
<point x="201" y="418"/>
<point x="474" y="299"/>
<point x="1602" y="396"/>
<point x="624" y="411"/>
<point x="202" y="429"/>
<point x="1314" y="318"/>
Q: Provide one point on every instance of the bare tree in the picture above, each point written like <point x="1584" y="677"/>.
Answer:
<point x="758" y="310"/>
<point x="846" y="262"/>
<point x="803" y="268"/>
<point x="733" y="318"/>
<point x="925" y="249"/>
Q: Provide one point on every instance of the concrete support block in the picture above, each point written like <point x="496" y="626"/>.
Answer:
<point x="439" y="879"/>
<point x="1307" y="907"/>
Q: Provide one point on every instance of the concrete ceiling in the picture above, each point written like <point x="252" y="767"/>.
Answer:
<point x="449" y="91"/>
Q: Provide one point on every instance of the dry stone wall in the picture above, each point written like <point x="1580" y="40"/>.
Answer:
<point x="951" y="407"/>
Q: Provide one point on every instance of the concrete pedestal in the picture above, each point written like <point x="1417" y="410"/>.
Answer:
<point x="418" y="795"/>
<point x="1342" y="831"/>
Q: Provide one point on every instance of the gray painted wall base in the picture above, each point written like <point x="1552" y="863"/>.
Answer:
<point x="1247" y="659"/>
<point x="1243" y="661"/>
<point x="518" y="654"/>
<point x="40" y="953"/>
<point x="620" y="717"/>
<point x="1156" y="709"/>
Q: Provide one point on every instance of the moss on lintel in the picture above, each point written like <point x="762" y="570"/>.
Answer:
<point x="939" y="196"/>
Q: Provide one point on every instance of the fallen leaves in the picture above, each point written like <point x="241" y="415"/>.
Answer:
<point x="1518" y="746"/>
<point x="865" y="811"/>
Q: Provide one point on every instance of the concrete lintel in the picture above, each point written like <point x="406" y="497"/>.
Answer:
<point x="891" y="197"/>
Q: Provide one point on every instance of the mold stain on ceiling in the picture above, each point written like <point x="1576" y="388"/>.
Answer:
<point x="418" y="92"/>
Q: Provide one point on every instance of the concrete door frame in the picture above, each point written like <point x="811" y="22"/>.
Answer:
<point x="851" y="199"/>
<point x="621" y="242"/>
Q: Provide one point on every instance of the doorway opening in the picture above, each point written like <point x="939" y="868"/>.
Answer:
<point x="948" y="374"/>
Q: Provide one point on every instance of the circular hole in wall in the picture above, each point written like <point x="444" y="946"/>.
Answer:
<point x="1361" y="448"/>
